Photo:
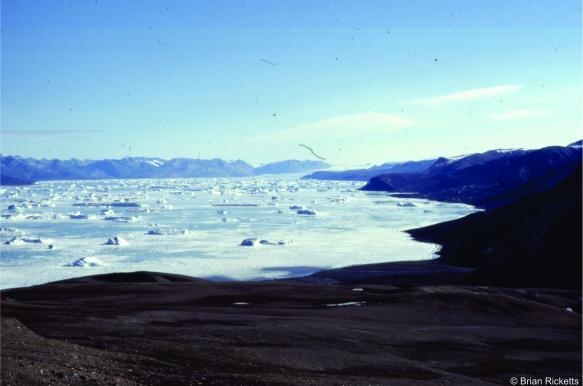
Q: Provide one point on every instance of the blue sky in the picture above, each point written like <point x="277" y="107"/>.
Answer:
<point x="359" y="81"/>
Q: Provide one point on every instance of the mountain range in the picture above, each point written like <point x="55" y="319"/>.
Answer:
<point x="18" y="170"/>
<point x="366" y="174"/>
<point x="487" y="180"/>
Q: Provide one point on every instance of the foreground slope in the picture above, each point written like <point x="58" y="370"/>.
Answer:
<point x="160" y="329"/>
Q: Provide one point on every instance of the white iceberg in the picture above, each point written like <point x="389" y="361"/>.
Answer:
<point x="117" y="241"/>
<point x="26" y="240"/>
<point x="405" y="204"/>
<point x="36" y="240"/>
<point x="86" y="262"/>
<point x="15" y="241"/>
<point x="252" y="242"/>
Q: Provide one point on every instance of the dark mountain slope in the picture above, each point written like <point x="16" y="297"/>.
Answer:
<point x="489" y="179"/>
<point x="535" y="242"/>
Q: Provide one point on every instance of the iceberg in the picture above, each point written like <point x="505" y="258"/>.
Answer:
<point x="253" y="242"/>
<point x="26" y="240"/>
<point x="86" y="262"/>
<point x="78" y="216"/>
<point x="249" y="242"/>
<point x="117" y="241"/>
<point x="307" y="212"/>
<point x="15" y="241"/>
<point x="405" y="204"/>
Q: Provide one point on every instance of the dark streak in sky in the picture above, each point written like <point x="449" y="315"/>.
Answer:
<point x="312" y="151"/>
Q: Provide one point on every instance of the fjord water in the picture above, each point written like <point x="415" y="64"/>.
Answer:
<point x="195" y="227"/>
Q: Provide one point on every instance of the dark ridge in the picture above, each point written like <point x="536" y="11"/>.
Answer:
<point x="487" y="180"/>
<point x="535" y="242"/>
<point x="132" y="277"/>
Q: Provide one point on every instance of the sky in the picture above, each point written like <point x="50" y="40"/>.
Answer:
<point x="360" y="82"/>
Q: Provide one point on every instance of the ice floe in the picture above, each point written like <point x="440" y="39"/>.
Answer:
<point x="15" y="241"/>
<point x="21" y="240"/>
<point x="405" y="204"/>
<point x="307" y="212"/>
<point x="78" y="216"/>
<point x="122" y="218"/>
<point x="254" y="241"/>
<point x="167" y="232"/>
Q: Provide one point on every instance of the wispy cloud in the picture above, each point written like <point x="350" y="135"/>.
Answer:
<point x="46" y="133"/>
<point x="339" y="127"/>
<point x="465" y="96"/>
<point x="518" y="114"/>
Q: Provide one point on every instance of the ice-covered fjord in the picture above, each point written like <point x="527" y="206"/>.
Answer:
<point x="218" y="228"/>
